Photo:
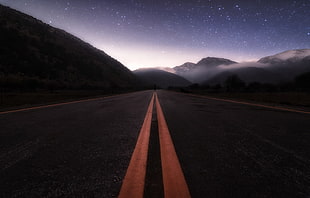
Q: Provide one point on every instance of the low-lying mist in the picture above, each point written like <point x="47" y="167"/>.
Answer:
<point x="278" y="68"/>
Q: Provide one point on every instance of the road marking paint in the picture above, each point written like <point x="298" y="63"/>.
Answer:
<point x="51" y="105"/>
<point x="173" y="178"/>
<point x="134" y="181"/>
<point x="251" y="104"/>
<point x="59" y="104"/>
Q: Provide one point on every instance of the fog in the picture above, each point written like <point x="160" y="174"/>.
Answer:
<point x="203" y="73"/>
<point x="280" y="67"/>
<point x="242" y="65"/>
<point x="272" y="71"/>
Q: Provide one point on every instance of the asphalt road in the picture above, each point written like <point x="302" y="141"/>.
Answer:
<point x="225" y="149"/>
<point x="234" y="150"/>
<point x="74" y="150"/>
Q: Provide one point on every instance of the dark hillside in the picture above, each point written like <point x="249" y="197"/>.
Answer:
<point x="35" y="55"/>
<point x="161" y="79"/>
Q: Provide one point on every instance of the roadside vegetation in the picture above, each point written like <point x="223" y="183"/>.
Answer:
<point x="41" y="64"/>
<point x="296" y="93"/>
<point x="19" y="99"/>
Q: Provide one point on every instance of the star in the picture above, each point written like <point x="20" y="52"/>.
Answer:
<point x="223" y="25"/>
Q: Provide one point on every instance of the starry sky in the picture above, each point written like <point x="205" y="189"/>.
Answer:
<point x="150" y="33"/>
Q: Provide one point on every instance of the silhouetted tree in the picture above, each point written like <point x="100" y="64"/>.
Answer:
<point x="194" y="86"/>
<point x="268" y="87"/>
<point x="216" y="88"/>
<point x="286" y="86"/>
<point x="254" y="87"/>
<point x="303" y="81"/>
<point x="234" y="83"/>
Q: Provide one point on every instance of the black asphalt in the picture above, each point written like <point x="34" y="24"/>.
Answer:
<point x="233" y="150"/>
<point x="74" y="150"/>
<point x="225" y="149"/>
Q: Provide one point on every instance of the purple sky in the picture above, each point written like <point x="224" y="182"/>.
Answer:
<point x="142" y="33"/>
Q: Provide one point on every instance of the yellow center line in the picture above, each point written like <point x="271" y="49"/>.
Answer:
<point x="173" y="178"/>
<point x="134" y="181"/>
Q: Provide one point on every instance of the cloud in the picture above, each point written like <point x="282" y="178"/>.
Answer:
<point x="200" y="74"/>
<point x="242" y="65"/>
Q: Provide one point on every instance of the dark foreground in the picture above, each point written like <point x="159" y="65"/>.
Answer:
<point x="225" y="149"/>
<point x="75" y="150"/>
<point x="234" y="150"/>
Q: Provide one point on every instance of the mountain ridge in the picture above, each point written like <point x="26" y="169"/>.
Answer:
<point x="205" y="67"/>
<point x="214" y="61"/>
<point x="47" y="56"/>
<point x="289" y="55"/>
<point x="161" y="78"/>
<point x="279" y="68"/>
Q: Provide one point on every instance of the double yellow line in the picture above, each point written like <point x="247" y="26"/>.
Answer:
<point x="173" y="178"/>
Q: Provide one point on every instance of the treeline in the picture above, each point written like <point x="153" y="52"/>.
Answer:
<point x="22" y="83"/>
<point x="234" y="83"/>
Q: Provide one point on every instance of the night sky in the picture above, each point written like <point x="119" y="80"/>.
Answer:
<point x="143" y="33"/>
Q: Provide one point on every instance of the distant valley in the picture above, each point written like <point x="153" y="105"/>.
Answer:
<point x="278" y="68"/>
<point x="160" y="78"/>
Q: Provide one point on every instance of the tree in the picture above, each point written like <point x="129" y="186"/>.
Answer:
<point x="234" y="83"/>
<point x="303" y="81"/>
<point x="254" y="87"/>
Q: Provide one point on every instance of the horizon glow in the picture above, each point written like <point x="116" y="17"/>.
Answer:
<point x="169" y="33"/>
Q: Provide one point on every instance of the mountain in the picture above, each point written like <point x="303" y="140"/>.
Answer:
<point x="213" y="62"/>
<point x="202" y="70"/>
<point x="282" y="67"/>
<point x="36" y="55"/>
<point x="288" y="64"/>
<point x="161" y="78"/>
<point x="290" y="56"/>
<point x="186" y="67"/>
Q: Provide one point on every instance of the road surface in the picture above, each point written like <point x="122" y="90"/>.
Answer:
<point x="224" y="149"/>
